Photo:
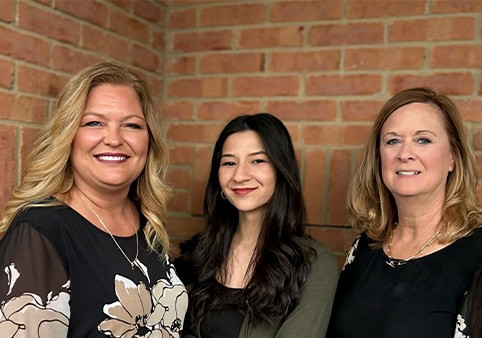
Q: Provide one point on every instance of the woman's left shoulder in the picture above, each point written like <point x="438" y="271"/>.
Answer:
<point x="324" y="257"/>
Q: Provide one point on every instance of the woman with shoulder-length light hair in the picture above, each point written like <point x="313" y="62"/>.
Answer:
<point x="413" y="202"/>
<point x="84" y="244"/>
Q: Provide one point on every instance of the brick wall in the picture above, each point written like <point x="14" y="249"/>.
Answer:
<point x="323" y="67"/>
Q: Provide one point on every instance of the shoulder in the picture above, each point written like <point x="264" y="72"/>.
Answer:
<point x="324" y="261"/>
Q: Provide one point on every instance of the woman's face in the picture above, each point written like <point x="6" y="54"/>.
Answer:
<point x="246" y="174"/>
<point x="109" y="150"/>
<point x="415" y="152"/>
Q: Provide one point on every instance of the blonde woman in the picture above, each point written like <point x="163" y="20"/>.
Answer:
<point x="84" y="245"/>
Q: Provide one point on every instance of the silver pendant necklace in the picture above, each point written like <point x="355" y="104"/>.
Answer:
<point x="132" y="263"/>
<point x="398" y="262"/>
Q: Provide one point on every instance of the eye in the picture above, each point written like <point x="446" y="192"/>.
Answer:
<point x="392" y="141"/>
<point x="227" y="163"/>
<point x="424" y="141"/>
<point x="133" y="126"/>
<point x="259" y="160"/>
<point x="92" y="124"/>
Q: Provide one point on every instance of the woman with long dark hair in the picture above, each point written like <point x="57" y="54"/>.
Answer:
<point x="256" y="272"/>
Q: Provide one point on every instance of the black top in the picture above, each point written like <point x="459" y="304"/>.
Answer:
<point x="418" y="299"/>
<point x="225" y="322"/>
<point x="64" y="277"/>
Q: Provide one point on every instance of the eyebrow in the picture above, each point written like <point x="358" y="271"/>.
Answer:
<point x="260" y="152"/>
<point x="417" y="133"/>
<point x="141" y="117"/>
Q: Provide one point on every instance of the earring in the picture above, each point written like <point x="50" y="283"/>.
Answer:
<point x="223" y="196"/>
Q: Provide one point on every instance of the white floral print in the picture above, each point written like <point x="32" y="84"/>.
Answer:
<point x="350" y="257"/>
<point x="140" y="312"/>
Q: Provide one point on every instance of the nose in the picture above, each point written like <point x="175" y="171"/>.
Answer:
<point x="406" y="152"/>
<point x="113" y="136"/>
<point x="242" y="173"/>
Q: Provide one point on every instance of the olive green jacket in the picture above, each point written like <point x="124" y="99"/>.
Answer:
<point x="311" y="317"/>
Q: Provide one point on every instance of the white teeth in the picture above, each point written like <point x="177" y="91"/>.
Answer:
<point x="408" y="173"/>
<point x="111" y="158"/>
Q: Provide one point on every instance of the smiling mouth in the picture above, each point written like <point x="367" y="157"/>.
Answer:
<point x="108" y="158"/>
<point x="243" y="191"/>
<point x="408" y="173"/>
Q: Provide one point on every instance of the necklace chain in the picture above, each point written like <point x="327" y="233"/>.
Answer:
<point x="112" y="236"/>
<point x="398" y="262"/>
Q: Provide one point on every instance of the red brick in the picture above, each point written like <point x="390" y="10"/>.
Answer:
<point x="334" y="134"/>
<point x="158" y="39"/>
<point x="294" y="130"/>
<point x="7" y="10"/>
<point x="283" y="11"/>
<point x="184" y="227"/>
<point x="340" y="165"/>
<point x="361" y="110"/>
<point x="470" y="109"/>
<point x="125" y="4"/>
<point x="454" y="6"/>
<point x="384" y="58"/>
<point x="337" y="85"/>
<point x="180" y="201"/>
<point x="179" y="178"/>
<point x="477" y="145"/>
<point x="201" y="41"/>
<point x="7" y="164"/>
<point x="183" y="65"/>
<point x="200" y="133"/>
<point x="24" y="47"/>
<point x="433" y="29"/>
<point x="36" y="81"/>
<point x="291" y="36"/>
<point x="129" y="26"/>
<point x="314" y="177"/>
<point x="446" y="83"/>
<point x="478" y="159"/>
<point x="304" y="61"/>
<point x="339" y="239"/>
<point x="23" y="108"/>
<point x="28" y="136"/>
<point x="232" y="15"/>
<point x="145" y="58"/>
<point x="266" y="86"/>
<point x="150" y="11"/>
<point x="40" y="21"/>
<point x="179" y="110"/>
<point x="184" y="18"/>
<point x="7" y="74"/>
<point x="306" y="110"/>
<point x="346" y="34"/>
<point x="101" y="41"/>
<point x="72" y="60"/>
<point x="202" y="167"/>
<point x="460" y="56"/>
<point x="180" y="154"/>
<point x="232" y="63"/>
<point x="224" y="111"/>
<point x="381" y="9"/>
<point x="198" y="87"/>
<point x="92" y="11"/>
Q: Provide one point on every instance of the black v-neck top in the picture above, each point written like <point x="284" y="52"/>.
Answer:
<point x="419" y="299"/>
<point x="63" y="277"/>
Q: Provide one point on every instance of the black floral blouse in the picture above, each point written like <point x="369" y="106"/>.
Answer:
<point x="63" y="277"/>
<point x="421" y="298"/>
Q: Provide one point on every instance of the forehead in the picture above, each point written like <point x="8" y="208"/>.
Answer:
<point x="244" y="140"/>
<point x="416" y="115"/>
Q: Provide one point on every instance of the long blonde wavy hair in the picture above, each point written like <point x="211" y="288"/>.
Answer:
<point x="48" y="170"/>
<point x="371" y="206"/>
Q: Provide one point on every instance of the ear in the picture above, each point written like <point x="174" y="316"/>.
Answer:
<point x="452" y="163"/>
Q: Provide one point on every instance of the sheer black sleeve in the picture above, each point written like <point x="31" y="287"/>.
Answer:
<point x="34" y="286"/>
